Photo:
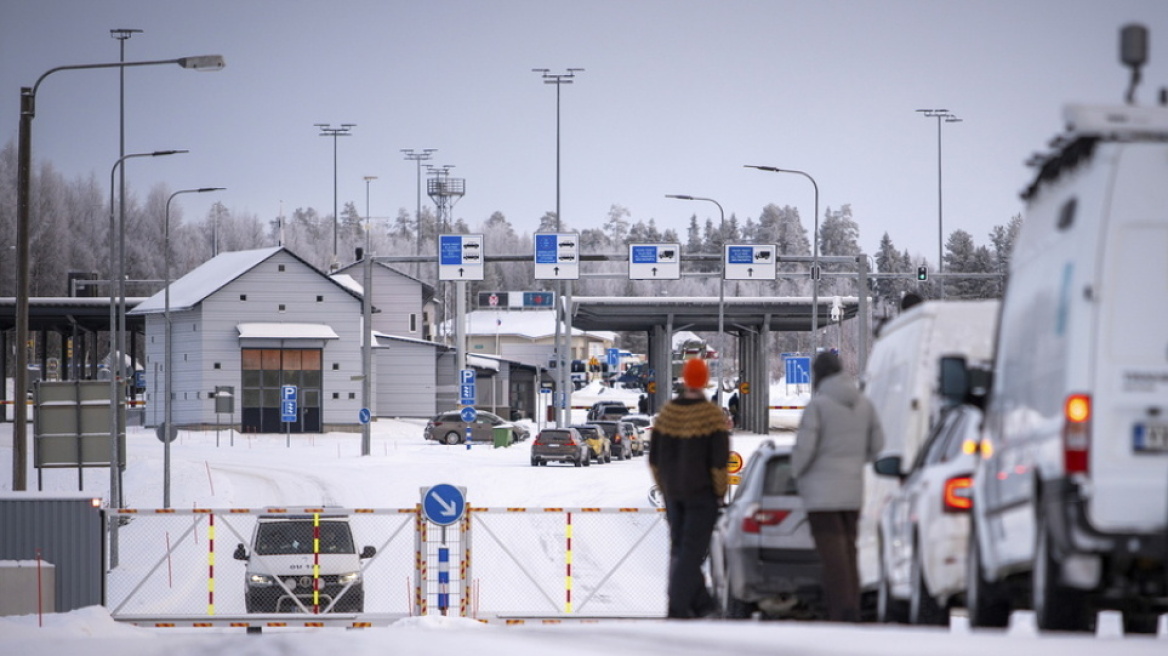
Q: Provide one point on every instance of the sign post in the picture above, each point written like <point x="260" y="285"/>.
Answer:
<point x="443" y="505"/>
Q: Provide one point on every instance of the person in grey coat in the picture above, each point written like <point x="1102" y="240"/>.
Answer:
<point x="838" y="434"/>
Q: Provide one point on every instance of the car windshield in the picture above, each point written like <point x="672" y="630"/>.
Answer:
<point x="283" y="538"/>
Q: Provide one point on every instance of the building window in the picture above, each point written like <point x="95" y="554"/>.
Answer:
<point x="413" y="322"/>
<point x="319" y="298"/>
<point x="281" y="268"/>
<point x="218" y="365"/>
<point x="243" y="297"/>
<point x="336" y="366"/>
<point x="282" y="308"/>
<point x="352" y="395"/>
<point x="336" y="395"/>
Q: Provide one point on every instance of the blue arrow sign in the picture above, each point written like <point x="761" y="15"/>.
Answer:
<point x="468" y="414"/>
<point x="798" y="370"/>
<point x="364" y="416"/>
<point x="466" y="394"/>
<point x="443" y="504"/>
<point x="288" y="411"/>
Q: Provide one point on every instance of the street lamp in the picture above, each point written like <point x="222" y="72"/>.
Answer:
<point x="327" y="130"/>
<point x="814" y="255"/>
<point x="167" y="417"/>
<point x="564" y="350"/>
<point x="23" y="177"/>
<point x="367" y="331"/>
<point x="117" y="318"/>
<point x="418" y="157"/>
<point x="721" y="288"/>
<point x="949" y="117"/>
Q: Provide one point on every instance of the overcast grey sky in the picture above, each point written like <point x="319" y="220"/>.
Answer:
<point x="676" y="97"/>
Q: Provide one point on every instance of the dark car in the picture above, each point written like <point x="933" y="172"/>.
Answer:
<point x="762" y="555"/>
<point x="607" y="410"/>
<point x="449" y="428"/>
<point x="621" y="437"/>
<point x="597" y="441"/>
<point x="560" y="445"/>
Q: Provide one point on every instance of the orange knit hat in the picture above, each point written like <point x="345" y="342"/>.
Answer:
<point x="695" y="373"/>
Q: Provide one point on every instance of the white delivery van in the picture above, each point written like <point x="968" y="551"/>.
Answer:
<point x="1071" y="492"/>
<point x="301" y="562"/>
<point x="902" y="381"/>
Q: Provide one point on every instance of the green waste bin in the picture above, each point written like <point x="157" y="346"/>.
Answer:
<point x="502" y="436"/>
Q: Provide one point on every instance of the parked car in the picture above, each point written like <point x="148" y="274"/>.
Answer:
<point x="449" y="428"/>
<point x="645" y="424"/>
<point x="1070" y="496"/>
<point x="597" y="441"/>
<point x="285" y="552"/>
<point x="607" y="410"/>
<point x="619" y="436"/>
<point x="560" y="445"/>
<point x="762" y="555"/>
<point x="901" y="381"/>
<point x="925" y="525"/>
<point x="635" y="435"/>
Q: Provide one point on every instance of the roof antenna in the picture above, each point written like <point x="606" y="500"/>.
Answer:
<point x="1133" y="51"/>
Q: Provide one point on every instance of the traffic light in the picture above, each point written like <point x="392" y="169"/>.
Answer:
<point x="922" y="273"/>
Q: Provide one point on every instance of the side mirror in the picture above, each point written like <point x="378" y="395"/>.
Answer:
<point x="368" y="552"/>
<point x="888" y="466"/>
<point x="240" y="552"/>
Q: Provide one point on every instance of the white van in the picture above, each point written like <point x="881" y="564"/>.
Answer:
<point x="902" y="380"/>
<point x="1070" y="509"/>
<point x="282" y="568"/>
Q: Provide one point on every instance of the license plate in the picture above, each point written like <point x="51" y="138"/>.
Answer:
<point x="1150" y="437"/>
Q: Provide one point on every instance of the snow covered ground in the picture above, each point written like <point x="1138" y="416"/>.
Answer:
<point x="229" y="470"/>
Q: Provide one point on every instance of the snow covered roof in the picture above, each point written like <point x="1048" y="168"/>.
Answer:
<point x="531" y="324"/>
<point x="286" y="331"/>
<point x="213" y="275"/>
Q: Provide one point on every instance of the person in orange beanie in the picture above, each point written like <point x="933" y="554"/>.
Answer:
<point x="688" y="457"/>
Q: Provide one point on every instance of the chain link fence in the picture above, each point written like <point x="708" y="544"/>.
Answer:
<point x="223" y="566"/>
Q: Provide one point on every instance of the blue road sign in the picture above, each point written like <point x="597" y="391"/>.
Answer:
<point x="466" y="394"/>
<point x="468" y="414"/>
<point x="798" y="370"/>
<point x="288" y="411"/>
<point x="645" y="254"/>
<point x="364" y="416"/>
<point x="741" y="254"/>
<point x="613" y="357"/>
<point x="547" y="248"/>
<point x="443" y="504"/>
<point x="450" y="250"/>
<point x="288" y="392"/>
<point x="466" y="376"/>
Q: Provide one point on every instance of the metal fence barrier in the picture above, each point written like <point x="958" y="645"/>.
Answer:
<point x="214" y="567"/>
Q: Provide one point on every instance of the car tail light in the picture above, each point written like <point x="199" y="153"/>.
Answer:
<point x="958" y="494"/>
<point x="754" y="522"/>
<point x="1077" y="433"/>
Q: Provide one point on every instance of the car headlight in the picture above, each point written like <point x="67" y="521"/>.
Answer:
<point x="350" y="577"/>
<point x="260" y="580"/>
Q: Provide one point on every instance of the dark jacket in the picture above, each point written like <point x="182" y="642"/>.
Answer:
<point x="690" y="449"/>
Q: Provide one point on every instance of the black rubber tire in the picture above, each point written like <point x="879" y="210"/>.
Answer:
<point x="984" y="601"/>
<point x="922" y="606"/>
<point x="535" y="462"/>
<point x="1056" y="607"/>
<point x="452" y="438"/>
<point x="577" y="463"/>
<point x="732" y="607"/>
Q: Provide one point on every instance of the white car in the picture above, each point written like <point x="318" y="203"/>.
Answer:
<point x="925" y="524"/>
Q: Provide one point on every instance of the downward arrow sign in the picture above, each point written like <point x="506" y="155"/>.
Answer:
<point x="447" y="507"/>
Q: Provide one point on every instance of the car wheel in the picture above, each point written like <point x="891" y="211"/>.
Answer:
<point x="923" y="607"/>
<point x="888" y="608"/>
<point x="535" y="462"/>
<point x="453" y="437"/>
<point x="577" y="463"/>
<point x="608" y="457"/>
<point x="543" y="463"/>
<point x="587" y="461"/>
<point x="1056" y="607"/>
<point x="984" y="602"/>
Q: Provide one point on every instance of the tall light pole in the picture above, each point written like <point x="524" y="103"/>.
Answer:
<point x="367" y="331"/>
<point x="23" y="178"/>
<point x="948" y="117"/>
<point x="117" y="317"/>
<point x="563" y="351"/>
<point x="167" y="359"/>
<point x="721" y="288"/>
<point x="418" y="157"/>
<point x="327" y="130"/>
<point x="814" y="255"/>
